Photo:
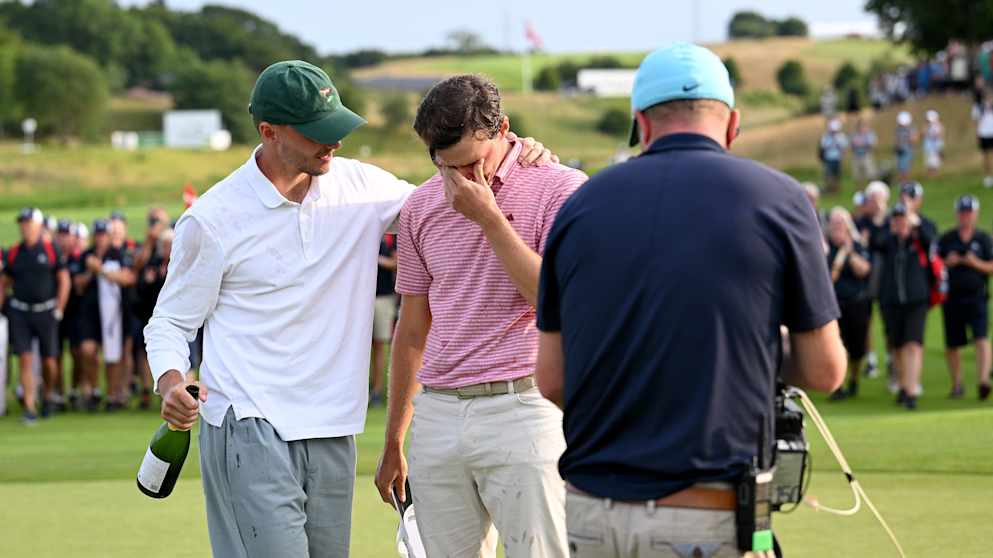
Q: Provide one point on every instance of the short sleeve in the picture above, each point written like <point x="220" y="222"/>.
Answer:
<point x="943" y="246"/>
<point x="549" y="307"/>
<point x="809" y="300"/>
<point x="60" y="261"/>
<point x="413" y="277"/>
<point x="390" y="193"/>
<point x="568" y="184"/>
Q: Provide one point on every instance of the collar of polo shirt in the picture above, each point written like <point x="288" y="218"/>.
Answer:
<point x="509" y="162"/>
<point x="267" y="191"/>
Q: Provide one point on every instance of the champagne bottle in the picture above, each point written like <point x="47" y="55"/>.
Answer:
<point x="164" y="457"/>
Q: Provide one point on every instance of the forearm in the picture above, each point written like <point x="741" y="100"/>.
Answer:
<point x="860" y="266"/>
<point x="983" y="266"/>
<point x="63" y="291"/>
<point x="167" y="349"/>
<point x="521" y="263"/>
<point x="123" y="278"/>
<point x="142" y="257"/>
<point x="405" y="361"/>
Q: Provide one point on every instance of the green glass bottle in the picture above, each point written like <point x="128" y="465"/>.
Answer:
<point x="164" y="457"/>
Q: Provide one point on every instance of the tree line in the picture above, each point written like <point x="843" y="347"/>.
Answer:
<point x="61" y="60"/>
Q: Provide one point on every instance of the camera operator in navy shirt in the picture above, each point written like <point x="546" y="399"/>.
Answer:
<point x="661" y="337"/>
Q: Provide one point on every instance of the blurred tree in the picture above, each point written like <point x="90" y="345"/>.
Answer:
<point x="63" y="90"/>
<point x="792" y="79"/>
<point x="791" y="27"/>
<point x="604" y="62"/>
<point x="219" y="32"/>
<point x="218" y="84"/>
<point x="9" y="107"/>
<point x="733" y="72"/>
<point x="846" y="77"/>
<point x="548" y="79"/>
<point x="568" y="70"/>
<point x="465" y="41"/>
<point x="396" y="112"/>
<point x="363" y="58"/>
<point x="614" y="122"/>
<point x="96" y="28"/>
<point x="152" y="55"/>
<point x="750" y="25"/>
<point x="928" y="26"/>
<point x="351" y="95"/>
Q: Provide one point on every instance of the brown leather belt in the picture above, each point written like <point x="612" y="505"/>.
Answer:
<point x="694" y="497"/>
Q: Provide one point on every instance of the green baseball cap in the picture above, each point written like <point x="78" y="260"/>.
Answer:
<point x="301" y="95"/>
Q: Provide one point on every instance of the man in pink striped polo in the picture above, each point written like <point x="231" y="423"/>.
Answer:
<point x="484" y="443"/>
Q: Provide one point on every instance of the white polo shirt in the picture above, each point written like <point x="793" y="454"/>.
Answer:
<point x="285" y="292"/>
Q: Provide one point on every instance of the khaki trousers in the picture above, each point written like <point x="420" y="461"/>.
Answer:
<point x="600" y="528"/>
<point x="488" y="464"/>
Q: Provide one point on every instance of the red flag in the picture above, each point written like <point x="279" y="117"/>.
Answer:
<point x="189" y="195"/>
<point x="533" y="37"/>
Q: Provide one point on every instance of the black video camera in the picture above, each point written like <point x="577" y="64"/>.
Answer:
<point x="792" y="451"/>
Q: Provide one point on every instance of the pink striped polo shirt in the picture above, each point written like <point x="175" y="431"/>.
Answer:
<point x="482" y="328"/>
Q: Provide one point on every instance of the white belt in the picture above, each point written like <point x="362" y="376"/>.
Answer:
<point x="40" y="307"/>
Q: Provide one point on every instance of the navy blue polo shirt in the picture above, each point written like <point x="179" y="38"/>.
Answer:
<point x="669" y="276"/>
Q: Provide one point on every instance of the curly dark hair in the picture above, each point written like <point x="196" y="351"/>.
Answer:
<point x="455" y="106"/>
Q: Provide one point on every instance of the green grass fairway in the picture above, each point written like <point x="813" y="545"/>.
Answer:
<point x="67" y="485"/>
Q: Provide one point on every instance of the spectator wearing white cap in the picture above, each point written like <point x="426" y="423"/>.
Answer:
<point x="933" y="143"/>
<point x="906" y="138"/>
<point x="833" y="144"/>
<point x="873" y="223"/>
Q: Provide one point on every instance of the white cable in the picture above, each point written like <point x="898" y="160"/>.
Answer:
<point x="857" y="489"/>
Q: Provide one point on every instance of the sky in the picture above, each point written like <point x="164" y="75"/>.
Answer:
<point x="564" y="25"/>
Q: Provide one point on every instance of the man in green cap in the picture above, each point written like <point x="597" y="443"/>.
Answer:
<point x="278" y="263"/>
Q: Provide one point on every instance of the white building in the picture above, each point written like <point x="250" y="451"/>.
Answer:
<point x="191" y="128"/>
<point x="606" y="83"/>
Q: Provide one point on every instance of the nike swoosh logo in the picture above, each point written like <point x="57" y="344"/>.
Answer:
<point x="687" y="88"/>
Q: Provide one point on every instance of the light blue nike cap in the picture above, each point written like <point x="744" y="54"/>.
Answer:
<point x="677" y="72"/>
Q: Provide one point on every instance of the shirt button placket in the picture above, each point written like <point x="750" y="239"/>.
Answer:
<point x="306" y="224"/>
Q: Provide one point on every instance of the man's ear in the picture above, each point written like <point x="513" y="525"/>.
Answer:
<point x="267" y="132"/>
<point x="644" y="128"/>
<point x="734" y="127"/>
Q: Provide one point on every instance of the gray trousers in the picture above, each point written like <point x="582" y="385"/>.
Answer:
<point x="268" y="498"/>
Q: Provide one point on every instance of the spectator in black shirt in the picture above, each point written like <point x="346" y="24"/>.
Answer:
<point x="119" y="241"/>
<point x="968" y="254"/>
<point x="74" y="263"/>
<point x="39" y="282"/>
<point x="850" y="264"/>
<point x="904" y="294"/>
<point x="101" y="261"/>
<point x="912" y="196"/>
<point x="385" y="314"/>
<point x="149" y="283"/>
